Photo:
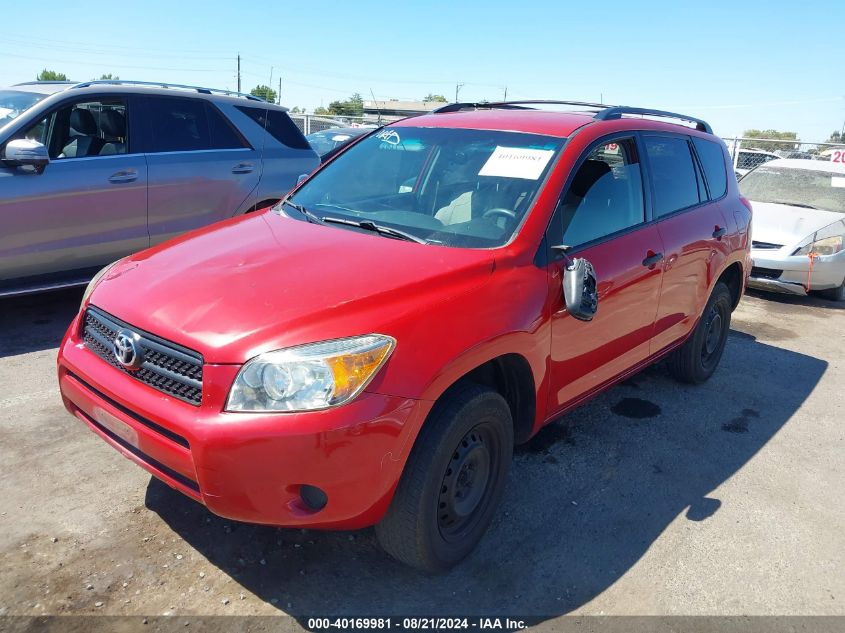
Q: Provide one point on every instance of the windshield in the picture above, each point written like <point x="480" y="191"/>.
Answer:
<point x="13" y="103"/>
<point x="452" y="187"/>
<point x="797" y="187"/>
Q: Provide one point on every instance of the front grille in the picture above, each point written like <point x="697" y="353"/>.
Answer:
<point x="170" y="368"/>
<point x="766" y="273"/>
<point x="765" y="246"/>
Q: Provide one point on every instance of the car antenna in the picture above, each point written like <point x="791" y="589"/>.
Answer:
<point x="373" y="95"/>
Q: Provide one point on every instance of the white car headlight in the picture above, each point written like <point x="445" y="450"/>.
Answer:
<point x="95" y="280"/>
<point x="824" y="246"/>
<point x="309" y="377"/>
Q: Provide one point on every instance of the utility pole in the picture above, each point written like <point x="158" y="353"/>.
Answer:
<point x="280" y="91"/>
<point x="458" y="91"/>
<point x="506" y="94"/>
<point x="239" y="72"/>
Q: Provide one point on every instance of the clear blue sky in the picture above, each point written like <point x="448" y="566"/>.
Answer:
<point x="738" y="64"/>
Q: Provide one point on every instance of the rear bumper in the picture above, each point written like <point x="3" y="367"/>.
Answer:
<point x="248" y="467"/>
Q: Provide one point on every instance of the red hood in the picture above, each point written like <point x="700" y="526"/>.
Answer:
<point x="264" y="282"/>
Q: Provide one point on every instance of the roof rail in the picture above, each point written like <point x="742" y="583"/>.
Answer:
<point x="616" y="112"/>
<point x="604" y="112"/>
<point x="51" y="81"/>
<point x="513" y="105"/>
<point x="157" y="84"/>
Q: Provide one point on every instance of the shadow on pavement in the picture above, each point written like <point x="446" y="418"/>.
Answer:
<point x="36" y="322"/>
<point x="813" y="300"/>
<point x="587" y="497"/>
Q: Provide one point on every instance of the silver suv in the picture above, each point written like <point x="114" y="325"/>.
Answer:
<point x="91" y="172"/>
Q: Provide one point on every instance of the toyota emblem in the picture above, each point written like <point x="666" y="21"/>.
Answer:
<point x="126" y="350"/>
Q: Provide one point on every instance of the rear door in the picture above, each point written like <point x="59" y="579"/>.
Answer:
<point x="201" y="169"/>
<point x="89" y="205"/>
<point x="693" y="230"/>
<point x="602" y="217"/>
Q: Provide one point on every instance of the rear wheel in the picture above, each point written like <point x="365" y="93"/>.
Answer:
<point x="697" y="359"/>
<point x="453" y="481"/>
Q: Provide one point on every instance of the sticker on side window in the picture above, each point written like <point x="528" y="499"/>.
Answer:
<point x="517" y="162"/>
<point x="837" y="181"/>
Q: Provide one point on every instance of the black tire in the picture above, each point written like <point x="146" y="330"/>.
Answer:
<point x="835" y="294"/>
<point x="453" y="481"/>
<point x="697" y="359"/>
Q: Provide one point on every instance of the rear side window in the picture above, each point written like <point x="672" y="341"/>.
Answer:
<point x="673" y="174"/>
<point x="185" y="125"/>
<point x="713" y="161"/>
<point x="278" y="125"/>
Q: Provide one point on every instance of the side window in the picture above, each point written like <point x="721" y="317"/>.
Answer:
<point x="177" y="125"/>
<point x="84" y="129"/>
<point x="222" y="134"/>
<point x="605" y="195"/>
<point x="673" y="174"/>
<point x="713" y="161"/>
<point x="278" y="124"/>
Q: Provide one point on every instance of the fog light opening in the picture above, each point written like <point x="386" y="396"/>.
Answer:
<point x="314" y="498"/>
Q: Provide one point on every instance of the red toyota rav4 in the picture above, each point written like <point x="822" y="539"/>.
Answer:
<point x="368" y="351"/>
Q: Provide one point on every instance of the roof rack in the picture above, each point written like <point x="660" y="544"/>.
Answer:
<point x="604" y="112"/>
<point x="158" y="84"/>
<point x="52" y="81"/>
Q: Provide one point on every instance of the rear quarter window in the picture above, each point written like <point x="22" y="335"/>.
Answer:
<point x="673" y="174"/>
<point x="713" y="161"/>
<point x="278" y="125"/>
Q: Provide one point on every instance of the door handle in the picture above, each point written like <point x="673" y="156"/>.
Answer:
<point x="652" y="259"/>
<point x="719" y="232"/>
<point x="127" y="175"/>
<point x="242" y="168"/>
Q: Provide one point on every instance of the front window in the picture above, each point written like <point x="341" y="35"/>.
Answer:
<point x="451" y="187"/>
<point x="796" y="187"/>
<point x="13" y="103"/>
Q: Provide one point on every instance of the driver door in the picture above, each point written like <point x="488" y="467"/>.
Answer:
<point x="89" y="205"/>
<point x="602" y="217"/>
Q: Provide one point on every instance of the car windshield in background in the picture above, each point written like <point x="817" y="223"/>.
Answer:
<point x="13" y="103"/>
<point x="446" y="186"/>
<point x="327" y="140"/>
<point x="796" y="187"/>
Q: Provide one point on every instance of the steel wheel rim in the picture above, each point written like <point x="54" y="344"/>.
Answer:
<point x="467" y="483"/>
<point x="713" y="335"/>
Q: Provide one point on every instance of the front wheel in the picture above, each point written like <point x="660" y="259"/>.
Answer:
<point x="697" y="359"/>
<point x="453" y="481"/>
<point x="835" y="294"/>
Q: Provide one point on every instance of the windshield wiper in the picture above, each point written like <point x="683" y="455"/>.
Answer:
<point x="794" y="204"/>
<point x="375" y="228"/>
<point x="311" y="217"/>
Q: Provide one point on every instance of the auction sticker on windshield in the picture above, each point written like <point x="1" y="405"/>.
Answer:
<point x="516" y="162"/>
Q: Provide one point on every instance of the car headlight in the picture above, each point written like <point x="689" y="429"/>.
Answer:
<point x="95" y="280"/>
<point x="309" y="377"/>
<point x="824" y="246"/>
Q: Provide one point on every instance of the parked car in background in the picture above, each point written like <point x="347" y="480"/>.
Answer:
<point x="94" y="171"/>
<point x="329" y="142"/>
<point x="799" y="226"/>
<point x="795" y="154"/>
<point x="747" y="159"/>
<point x="370" y="350"/>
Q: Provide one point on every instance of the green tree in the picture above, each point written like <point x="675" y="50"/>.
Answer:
<point x="434" y="97"/>
<point x="353" y="106"/>
<point x="51" y="75"/>
<point x="321" y="110"/>
<point x="109" y="76"/>
<point x="836" y="137"/>
<point x="772" y="135"/>
<point x="296" y="110"/>
<point x="265" y="92"/>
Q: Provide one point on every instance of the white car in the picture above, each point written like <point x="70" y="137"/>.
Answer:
<point x="747" y="159"/>
<point x="798" y="228"/>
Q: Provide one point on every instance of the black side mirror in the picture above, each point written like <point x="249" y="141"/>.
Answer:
<point x="580" y="293"/>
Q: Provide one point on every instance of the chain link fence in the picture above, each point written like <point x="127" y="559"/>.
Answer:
<point x="748" y="153"/>
<point x="308" y="123"/>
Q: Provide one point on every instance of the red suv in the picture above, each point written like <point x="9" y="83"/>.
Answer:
<point x="368" y="351"/>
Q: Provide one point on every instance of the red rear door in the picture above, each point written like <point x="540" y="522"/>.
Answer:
<point x="693" y="231"/>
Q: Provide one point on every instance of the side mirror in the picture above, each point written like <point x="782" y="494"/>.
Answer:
<point x="26" y="152"/>
<point x="580" y="293"/>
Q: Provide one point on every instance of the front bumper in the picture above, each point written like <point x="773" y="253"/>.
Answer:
<point x="791" y="273"/>
<point x="247" y="467"/>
